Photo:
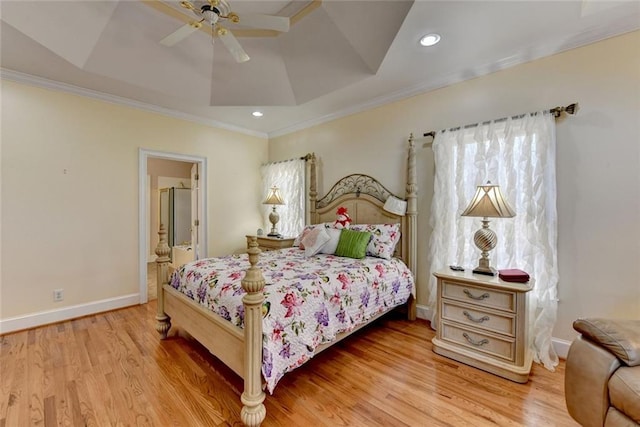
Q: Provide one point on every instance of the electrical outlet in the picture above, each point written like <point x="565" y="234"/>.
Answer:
<point x="58" y="294"/>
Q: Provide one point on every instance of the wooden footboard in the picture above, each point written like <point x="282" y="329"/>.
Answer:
<point x="240" y="350"/>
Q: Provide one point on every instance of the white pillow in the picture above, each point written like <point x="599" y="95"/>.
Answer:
<point x="314" y="240"/>
<point x="298" y="240"/>
<point x="305" y="230"/>
<point x="331" y="245"/>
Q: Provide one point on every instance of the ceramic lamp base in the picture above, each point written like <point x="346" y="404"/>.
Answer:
<point x="274" y="218"/>
<point x="485" y="239"/>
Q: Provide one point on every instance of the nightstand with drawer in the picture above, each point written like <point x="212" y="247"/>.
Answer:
<point x="267" y="243"/>
<point x="483" y="321"/>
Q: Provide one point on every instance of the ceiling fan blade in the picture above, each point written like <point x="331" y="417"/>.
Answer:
<point x="232" y="44"/>
<point x="180" y="34"/>
<point x="265" y="22"/>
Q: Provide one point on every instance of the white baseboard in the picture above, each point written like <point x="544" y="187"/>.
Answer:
<point x="559" y="345"/>
<point x="28" y="321"/>
<point x="423" y="312"/>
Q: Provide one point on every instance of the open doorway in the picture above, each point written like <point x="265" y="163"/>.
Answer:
<point x="165" y="180"/>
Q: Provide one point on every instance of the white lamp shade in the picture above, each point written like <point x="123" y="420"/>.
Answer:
<point x="489" y="202"/>
<point x="274" y="197"/>
<point x="395" y="206"/>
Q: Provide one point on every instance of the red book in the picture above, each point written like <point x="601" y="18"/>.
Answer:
<point x="513" y="275"/>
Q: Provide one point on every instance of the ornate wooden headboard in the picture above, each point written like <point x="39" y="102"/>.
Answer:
<point x="364" y="198"/>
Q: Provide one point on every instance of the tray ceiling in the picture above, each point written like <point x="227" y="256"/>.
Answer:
<point x="337" y="58"/>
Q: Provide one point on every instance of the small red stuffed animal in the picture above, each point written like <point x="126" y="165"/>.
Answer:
<point x="343" y="219"/>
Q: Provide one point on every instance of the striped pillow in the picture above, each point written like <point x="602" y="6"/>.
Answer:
<point x="353" y="244"/>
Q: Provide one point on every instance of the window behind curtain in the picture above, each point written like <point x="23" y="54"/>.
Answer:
<point x="519" y="155"/>
<point x="289" y="177"/>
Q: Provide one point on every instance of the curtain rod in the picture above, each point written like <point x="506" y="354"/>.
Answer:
<point x="557" y="112"/>
<point x="306" y="158"/>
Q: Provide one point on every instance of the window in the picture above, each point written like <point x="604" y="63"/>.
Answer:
<point x="519" y="155"/>
<point x="289" y="177"/>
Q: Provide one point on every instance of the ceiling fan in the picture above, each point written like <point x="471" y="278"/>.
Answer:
<point x="213" y="12"/>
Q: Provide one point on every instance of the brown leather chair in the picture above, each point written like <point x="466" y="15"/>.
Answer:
<point x="602" y="378"/>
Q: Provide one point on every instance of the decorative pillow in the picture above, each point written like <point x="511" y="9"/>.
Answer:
<point x="305" y="231"/>
<point x="331" y="245"/>
<point x="314" y="240"/>
<point x="353" y="244"/>
<point x="384" y="238"/>
<point x="307" y="228"/>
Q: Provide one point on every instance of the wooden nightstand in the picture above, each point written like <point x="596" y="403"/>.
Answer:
<point x="266" y="243"/>
<point x="483" y="321"/>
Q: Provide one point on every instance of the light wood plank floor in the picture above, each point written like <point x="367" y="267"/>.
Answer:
<point x="112" y="369"/>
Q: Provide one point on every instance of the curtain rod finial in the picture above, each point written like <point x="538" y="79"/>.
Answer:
<point x="571" y="108"/>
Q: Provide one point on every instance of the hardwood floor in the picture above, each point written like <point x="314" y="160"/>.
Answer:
<point x="112" y="369"/>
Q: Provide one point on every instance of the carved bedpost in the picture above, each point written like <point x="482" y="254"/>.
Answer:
<point x="412" y="217"/>
<point x="163" y="323"/>
<point x="313" y="190"/>
<point x="253" y="411"/>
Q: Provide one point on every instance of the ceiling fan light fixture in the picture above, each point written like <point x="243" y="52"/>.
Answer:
<point x="429" y="39"/>
<point x="210" y="13"/>
<point x="210" y="16"/>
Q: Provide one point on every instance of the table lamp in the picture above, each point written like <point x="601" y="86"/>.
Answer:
<point x="274" y="198"/>
<point x="488" y="202"/>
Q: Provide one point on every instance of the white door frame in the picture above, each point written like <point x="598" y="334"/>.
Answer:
<point x="143" y="217"/>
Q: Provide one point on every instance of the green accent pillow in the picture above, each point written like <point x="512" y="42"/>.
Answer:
<point x="353" y="244"/>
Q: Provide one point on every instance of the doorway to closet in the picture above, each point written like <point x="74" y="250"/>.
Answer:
<point x="172" y="193"/>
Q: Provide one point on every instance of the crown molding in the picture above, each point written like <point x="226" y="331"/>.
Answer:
<point x="523" y="56"/>
<point x="31" y="80"/>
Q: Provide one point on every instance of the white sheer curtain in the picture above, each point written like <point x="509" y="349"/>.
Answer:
<point x="289" y="177"/>
<point x="519" y="155"/>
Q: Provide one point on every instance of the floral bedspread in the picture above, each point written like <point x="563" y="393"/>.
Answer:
<point x="308" y="301"/>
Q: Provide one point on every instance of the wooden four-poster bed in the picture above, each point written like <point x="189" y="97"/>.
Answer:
<point x="240" y="345"/>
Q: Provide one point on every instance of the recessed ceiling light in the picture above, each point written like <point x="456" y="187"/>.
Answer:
<point x="430" y="39"/>
<point x="257" y="114"/>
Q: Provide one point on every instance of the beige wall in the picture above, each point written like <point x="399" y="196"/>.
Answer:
<point x="598" y="167"/>
<point x="70" y="194"/>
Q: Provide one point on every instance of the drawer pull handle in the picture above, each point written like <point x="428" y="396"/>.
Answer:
<point x="476" y="319"/>
<point x="476" y="343"/>
<point x="472" y="296"/>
